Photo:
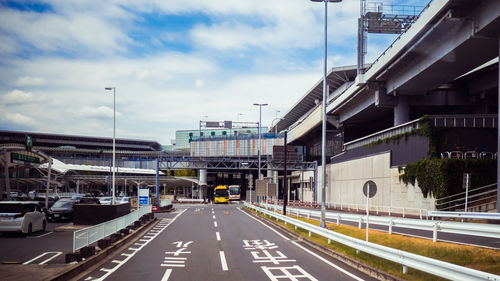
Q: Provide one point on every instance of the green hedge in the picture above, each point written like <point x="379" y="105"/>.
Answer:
<point x="443" y="177"/>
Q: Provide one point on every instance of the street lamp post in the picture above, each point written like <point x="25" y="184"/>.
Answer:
<point x="260" y="105"/>
<point x="323" y="133"/>
<point x="114" y="149"/>
<point x="276" y="129"/>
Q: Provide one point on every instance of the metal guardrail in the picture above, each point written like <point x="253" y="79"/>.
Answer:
<point x="475" y="229"/>
<point x="465" y="215"/>
<point x="362" y="207"/>
<point x="190" y="200"/>
<point x="425" y="264"/>
<point x="92" y="234"/>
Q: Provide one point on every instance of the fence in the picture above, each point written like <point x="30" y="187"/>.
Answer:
<point x="432" y="266"/>
<point x="92" y="234"/>
<point x="404" y="211"/>
<point x="481" y="199"/>
<point x="475" y="229"/>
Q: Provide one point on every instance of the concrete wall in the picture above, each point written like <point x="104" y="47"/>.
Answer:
<point x="346" y="181"/>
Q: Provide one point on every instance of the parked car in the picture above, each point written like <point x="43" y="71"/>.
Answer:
<point x="89" y="200"/>
<point x="61" y="210"/>
<point x="22" y="216"/>
<point x="122" y="200"/>
<point x="52" y="199"/>
<point x="105" y="200"/>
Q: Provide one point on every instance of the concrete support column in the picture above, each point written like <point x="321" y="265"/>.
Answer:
<point x="402" y="111"/>
<point x="203" y="177"/>
<point x="498" y="138"/>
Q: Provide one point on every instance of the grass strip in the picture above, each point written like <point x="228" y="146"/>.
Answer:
<point x="487" y="260"/>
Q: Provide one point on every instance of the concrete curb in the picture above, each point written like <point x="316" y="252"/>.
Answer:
<point x="76" y="269"/>
<point x="371" y="271"/>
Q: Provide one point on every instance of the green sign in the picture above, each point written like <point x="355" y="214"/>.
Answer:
<point x="24" y="158"/>
<point x="29" y="142"/>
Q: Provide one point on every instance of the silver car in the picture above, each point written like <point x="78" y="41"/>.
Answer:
<point x="21" y="216"/>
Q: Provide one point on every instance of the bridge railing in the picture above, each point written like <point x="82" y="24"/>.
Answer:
<point x="429" y="265"/>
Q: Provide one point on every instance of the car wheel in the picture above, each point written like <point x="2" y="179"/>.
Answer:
<point x="44" y="225"/>
<point x="30" y="229"/>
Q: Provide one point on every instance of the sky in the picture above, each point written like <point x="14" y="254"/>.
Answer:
<point x="172" y="62"/>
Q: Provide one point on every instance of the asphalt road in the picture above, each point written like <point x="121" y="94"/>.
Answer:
<point x="218" y="242"/>
<point x="43" y="247"/>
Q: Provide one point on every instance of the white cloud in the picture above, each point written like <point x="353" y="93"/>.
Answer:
<point x="17" y="97"/>
<point x="19" y="119"/>
<point x="98" y="112"/>
<point x="29" y="81"/>
<point x="199" y="83"/>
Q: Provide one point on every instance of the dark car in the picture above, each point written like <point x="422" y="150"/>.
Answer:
<point x="89" y="200"/>
<point x="62" y="210"/>
<point x="52" y="199"/>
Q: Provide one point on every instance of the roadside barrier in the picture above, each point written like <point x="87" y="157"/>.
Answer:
<point x="92" y="234"/>
<point x="425" y="264"/>
<point x="464" y="228"/>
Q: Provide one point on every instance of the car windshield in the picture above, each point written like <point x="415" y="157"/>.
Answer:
<point x="63" y="204"/>
<point x="220" y="192"/>
<point x="16" y="208"/>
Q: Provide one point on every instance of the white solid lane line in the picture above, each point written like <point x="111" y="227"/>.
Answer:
<point x="274" y="230"/>
<point x="218" y="236"/>
<point x="308" y="251"/>
<point x="328" y="262"/>
<point x="166" y="275"/>
<point x="47" y="260"/>
<point x="34" y="237"/>
<point x="223" y="261"/>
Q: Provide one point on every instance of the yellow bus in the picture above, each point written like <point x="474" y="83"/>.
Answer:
<point x="221" y="194"/>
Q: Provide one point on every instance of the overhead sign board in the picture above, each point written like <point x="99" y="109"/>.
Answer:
<point x="143" y="196"/>
<point x="272" y="189"/>
<point x="23" y="158"/>
<point x="292" y="153"/>
<point x="261" y="187"/>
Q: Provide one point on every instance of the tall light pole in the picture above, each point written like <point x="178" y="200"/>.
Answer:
<point x="276" y="129"/>
<point x="114" y="149"/>
<point x="260" y="105"/>
<point x="323" y="133"/>
<point x="238" y="117"/>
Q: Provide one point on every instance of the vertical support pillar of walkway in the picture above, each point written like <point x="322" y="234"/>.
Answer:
<point x="498" y="133"/>
<point x="315" y="199"/>
<point x="203" y="184"/>
<point x="402" y="111"/>
<point x="6" y="172"/>
<point x="157" y="178"/>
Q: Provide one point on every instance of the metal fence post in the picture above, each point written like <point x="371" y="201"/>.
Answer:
<point x="390" y="226"/>
<point x="435" y="232"/>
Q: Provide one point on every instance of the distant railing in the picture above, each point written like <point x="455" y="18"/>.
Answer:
<point x="384" y="134"/>
<point x="406" y="259"/>
<point x="92" y="234"/>
<point x="477" y="199"/>
<point x="389" y="210"/>
<point x="464" y="121"/>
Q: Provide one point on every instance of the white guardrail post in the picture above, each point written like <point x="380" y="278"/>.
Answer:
<point x="405" y="259"/>
<point x="92" y="234"/>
